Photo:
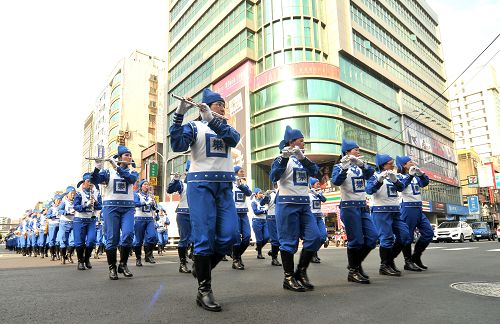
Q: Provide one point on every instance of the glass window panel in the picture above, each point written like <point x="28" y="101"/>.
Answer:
<point x="305" y="7"/>
<point x="268" y="39"/>
<point x="288" y="32"/>
<point x="276" y="8"/>
<point x="288" y="56"/>
<point x="297" y="55"/>
<point x="278" y="35"/>
<point x="268" y="9"/>
<point x="307" y="32"/>
<point x="297" y="32"/>
<point x="278" y="59"/>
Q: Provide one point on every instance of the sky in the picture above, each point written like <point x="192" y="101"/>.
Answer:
<point x="57" y="54"/>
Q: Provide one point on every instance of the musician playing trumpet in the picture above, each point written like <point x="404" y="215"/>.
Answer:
<point x="393" y="233"/>
<point x="87" y="202"/>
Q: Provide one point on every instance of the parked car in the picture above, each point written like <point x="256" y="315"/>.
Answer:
<point x="453" y="231"/>
<point x="482" y="231"/>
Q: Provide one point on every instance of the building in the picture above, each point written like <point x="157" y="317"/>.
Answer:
<point x="88" y="143"/>
<point x="475" y="108"/>
<point x="128" y="110"/>
<point x="371" y="71"/>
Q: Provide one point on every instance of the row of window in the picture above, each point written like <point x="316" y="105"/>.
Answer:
<point x="114" y="119"/>
<point x="240" y="42"/>
<point x="416" y="9"/>
<point x="196" y="54"/>
<point x="399" y="28"/>
<point x="176" y="10"/>
<point x="293" y="91"/>
<point x="397" y="47"/>
<point x="116" y="79"/>
<point x="437" y="191"/>
<point x="116" y="105"/>
<point x="116" y="92"/>
<point x="199" y="27"/>
<point x="386" y="62"/>
<point x="361" y="78"/>
<point x="270" y="10"/>
<point x="289" y="56"/>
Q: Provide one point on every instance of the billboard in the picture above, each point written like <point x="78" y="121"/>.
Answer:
<point x="457" y="209"/>
<point x="473" y="202"/>
<point x="436" y="168"/>
<point x="486" y="175"/>
<point x="438" y="207"/>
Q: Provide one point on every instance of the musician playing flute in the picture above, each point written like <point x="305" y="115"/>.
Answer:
<point x="351" y="175"/>
<point x="259" y="224"/>
<point x="269" y="201"/>
<point x="294" y="219"/>
<point x="87" y="203"/>
<point x="67" y="212"/>
<point x="118" y="208"/>
<point x="43" y="230"/>
<point x="316" y="197"/>
<point x="144" y="223"/>
<point x="241" y="191"/>
<point x="213" y="214"/>
<point x="393" y="233"/>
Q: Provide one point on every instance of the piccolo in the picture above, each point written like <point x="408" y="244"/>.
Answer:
<point x="290" y="149"/>
<point x="197" y="105"/>
<point x="108" y="160"/>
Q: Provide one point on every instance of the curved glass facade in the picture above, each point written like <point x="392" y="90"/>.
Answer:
<point x="116" y="91"/>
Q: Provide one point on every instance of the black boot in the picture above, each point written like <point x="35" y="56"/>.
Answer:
<point x="122" y="266"/>
<point x="205" y="297"/>
<point x="182" y="260"/>
<point x="63" y="255"/>
<point x="354" y="259"/>
<point x="46" y="251"/>
<point x="111" y="256"/>
<point x="71" y="249"/>
<point x="386" y="258"/>
<point x="190" y="253"/>
<point x="315" y="258"/>
<point x="237" y="265"/>
<point x="215" y="259"/>
<point x="42" y="252"/>
<point x="52" y="253"/>
<point x="396" y="249"/>
<point x="409" y="265"/>
<point x="58" y="253"/>
<point x="86" y="257"/>
<point x="36" y="251"/>
<point x="289" y="282"/>
<point x="301" y="272"/>
<point x="417" y="254"/>
<point x="137" y="250"/>
<point x="259" y="251"/>
<point x="365" y="250"/>
<point x="274" y="255"/>
<point x="79" y="255"/>
<point x="148" y="255"/>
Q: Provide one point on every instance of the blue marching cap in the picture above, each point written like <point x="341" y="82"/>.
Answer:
<point x="381" y="159"/>
<point x="209" y="97"/>
<point x="86" y="176"/>
<point x="58" y="196"/>
<point x="348" y="145"/>
<point x="290" y="135"/>
<point x="70" y="189"/>
<point x="188" y="165"/>
<point x="121" y="150"/>
<point x="313" y="181"/>
<point x="402" y="160"/>
<point x="141" y="183"/>
<point x="257" y="190"/>
<point x="237" y="168"/>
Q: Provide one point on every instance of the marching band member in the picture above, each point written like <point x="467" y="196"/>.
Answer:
<point x="53" y="216"/>
<point x="351" y="175"/>
<point x="241" y="192"/>
<point x="162" y="223"/>
<point x="316" y="198"/>
<point x="183" y="220"/>
<point x="67" y="212"/>
<point x="213" y="214"/>
<point x="144" y="223"/>
<point x="32" y="225"/>
<point x="100" y="240"/>
<point x="43" y="227"/>
<point x="24" y="233"/>
<point x="118" y="209"/>
<point x="413" y="180"/>
<point x="259" y="224"/>
<point x="294" y="219"/>
<point x="86" y="204"/>
<point x="392" y="231"/>
<point x="269" y="201"/>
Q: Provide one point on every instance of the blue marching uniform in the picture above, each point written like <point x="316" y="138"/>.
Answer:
<point x="183" y="220"/>
<point x="269" y="201"/>
<point x="214" y="222"/>
<point x="241" y="192"/>
<point x="100" y="240"/>
<point x="259" y="224"/>
<point x="43" y="232"/>
<point x="53" y="217"/>
<point x="354" y="213"/>
<point x="118" y="209"/>
<point x="293" y="213"/>
<point x="411" y="211"/>
<point x="87" y="203"/>
<point x="162" y="231"/>
<point x="67" y="214"/>
<point x="316" y="198"/>
<point x="144" y="226"/>
<point x="392" y="231"/>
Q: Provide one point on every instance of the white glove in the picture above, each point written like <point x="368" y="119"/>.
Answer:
<point x="113" y="163"/>
<point x="183" y="108"/>
<point x="206" y="113"/>
<point x="177" y="176"/>
<point x="418" y="172"/>
<point x="345" y="162"/>
<point x="392" y="177"/>
<point x="87" y="203"/>
<point x="356" y="160"/>
<point x="286" y="152"/>
<point x="413" y="170"/>
<point x="298" y="153"/>
<point x="99" y="164"/>
<point x="381" y="176"/>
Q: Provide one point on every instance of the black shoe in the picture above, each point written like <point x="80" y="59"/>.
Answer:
<point x="290" y="283"/>
<point x="363" y="273"/>
<point x="301" y="272"/>
<point x="386" y="260"/>
<point x="183" y="267"/>
<point x="386" y="270"/>
<point x="207" y="301"/>
<point x="393" y="266"/>
<point x="112" y="272"/>
<point x="70" y="258"/>
<point x="275" y="262"/>
<point x="410" y="266"/>
<point x="315" y="259"/>
<point x="259" y="251"/>
<point x="270" y="253"/>
<point x="355" y="276"/>
<point x="417" y="254"/>
<point x="237" y="264"/>
<point x="86" y="259"/>
<point x="80" y="266"/>
<point x="138" y="263"/>
<point x="418" y="262"/>
<point x="148" y="254"/>
<point x="122" y="268"/>
<point x="205" y="297"/>
<point x="63" y="256"/>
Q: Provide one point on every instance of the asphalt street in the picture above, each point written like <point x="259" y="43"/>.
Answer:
<point x="41" y="291"/>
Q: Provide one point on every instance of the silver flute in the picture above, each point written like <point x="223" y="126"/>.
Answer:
<point x="202" y="109"/>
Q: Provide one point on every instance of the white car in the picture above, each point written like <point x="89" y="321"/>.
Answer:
<point x="453" y="231"/>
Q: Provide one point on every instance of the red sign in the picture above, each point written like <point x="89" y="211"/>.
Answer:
<point x="440" y="178"/>
<point x="242" y="76"/>
<point x="292" y="70"/>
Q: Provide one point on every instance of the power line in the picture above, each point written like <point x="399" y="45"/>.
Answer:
<point x="412" y="121"/>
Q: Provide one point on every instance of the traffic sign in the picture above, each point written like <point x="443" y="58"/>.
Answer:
<point x="153" y="169"/>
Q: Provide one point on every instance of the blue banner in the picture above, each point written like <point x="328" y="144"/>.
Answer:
<point x="457" y="209"/>
<point x="473" y="202"/>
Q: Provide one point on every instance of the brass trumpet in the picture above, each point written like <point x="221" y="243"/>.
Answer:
<point x="197" y="105"/>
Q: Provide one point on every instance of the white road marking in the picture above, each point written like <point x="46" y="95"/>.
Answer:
<point x="435" y="247"/>
<point x="459" y="249"/>
<point x="494" y="250"/>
